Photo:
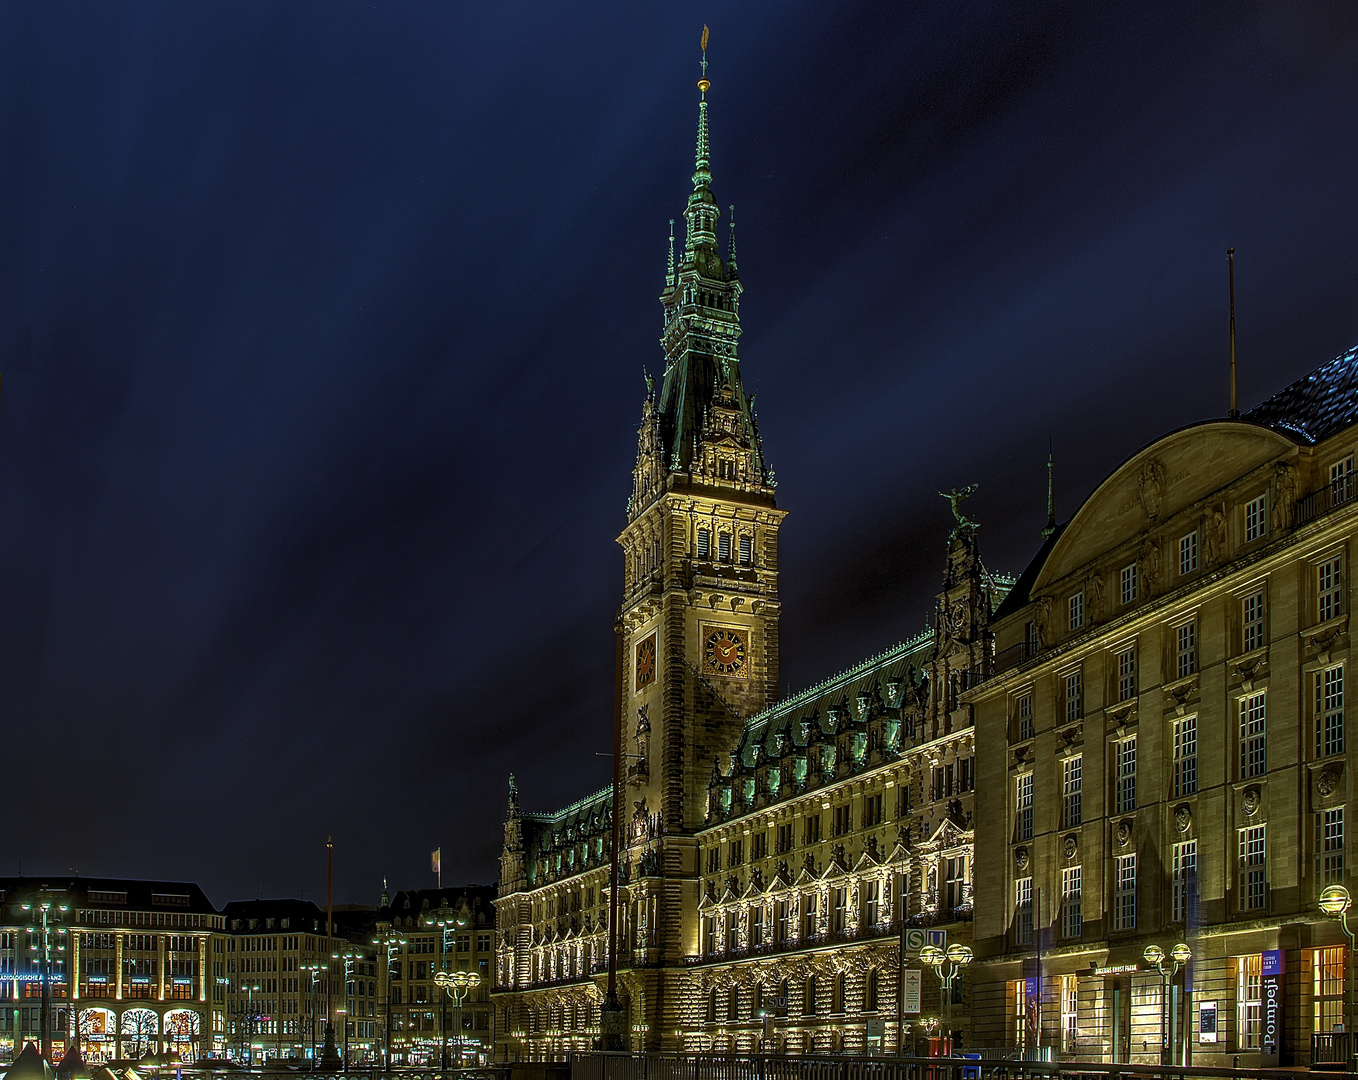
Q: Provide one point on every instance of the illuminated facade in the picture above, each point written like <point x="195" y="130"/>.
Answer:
<point x="772" y="852"/>
<point x="1168" y="765"/>
<point x="420" y="933"/>
<point x="126" y="964"/>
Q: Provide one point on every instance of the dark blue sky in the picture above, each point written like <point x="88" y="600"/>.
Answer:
<point x="324" y="327"/>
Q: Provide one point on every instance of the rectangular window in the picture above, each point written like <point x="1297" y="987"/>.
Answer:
<point x="1256" y="518"/>
<point x="745" y="550"/>
<point x="872" y="810"/>
<point x="713" y="860"/>
<point x="810" y="925"/>
<point x="1249" y="1001"/>
<point x="812" y="830"/>
<point x="1327" y="989"/>
<point x="759" y="845"/>
<point x="756" y="926"/>
<point x="1252" y="868"/>
<point x="1129" y="584"/>
<point x="782" y="911"/>
<point x="1025" y="716"/>
<point x="1126" y="665"/>
<point x="1124" y="893"/>
<point x="1188" y="553"/>
<point x="1252" y="621"/>
<point x="724" y="547"/>
<point x="1253" y="725"/>
<point x="1341" y="485"/>
<point x="839" y="908"/>
<point x="783" y="842"/>
<point x="1185" y="779"/>
<point x="1329" y="589"/>
<point x="1072" y="791"/>
<point x="1023" y="911"/>
<point x="732" y="931"/>
<point x="1330" y="845"/>
<point x="872" y="902"/>
<point x="954" y="882"/>
<point x="735" y="853"/>
<point x="1186" y="649"/>
<point x="1075" y="697"/>
<point x="1184" y="882"/>
<point x="841" y="822"/>
<point x="1072" y="917"/>
<point x="1070" y="1013"/>
<point x="1330" y="711"/>
<point x="1076" y="610"/>
<point x="704" y="543"/>
<point x="1023" y="808"/>
<point x="1125" y="781"/>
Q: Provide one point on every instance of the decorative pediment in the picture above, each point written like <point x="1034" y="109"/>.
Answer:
<point x="947" y="834"/>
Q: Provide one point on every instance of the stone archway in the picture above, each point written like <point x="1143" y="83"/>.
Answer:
<point x="138" y="1032"/>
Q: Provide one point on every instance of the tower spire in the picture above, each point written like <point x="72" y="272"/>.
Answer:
<point x="702" y="211"/>
<point x="731" y="242"/>
<point x="669" y="261"/>
<point x="1050" y="527"/>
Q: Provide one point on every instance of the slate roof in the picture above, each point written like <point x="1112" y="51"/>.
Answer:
<point x="120" y="893"/>
<point x="1316" y="406"/>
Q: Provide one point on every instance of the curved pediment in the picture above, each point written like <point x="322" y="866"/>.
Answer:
<point x="1155" y="484"/>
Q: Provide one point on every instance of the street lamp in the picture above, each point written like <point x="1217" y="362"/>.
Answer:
<point x="314" y="973"/>
<point x="946" y="966"/>
<point x="1178" y="957"/>
<point x="348" y="959"/>
<point x="44" y="925"/>
<point x="1334" y="901"/>
<point x="458" y="983"/>
<point x="394" y="943"/>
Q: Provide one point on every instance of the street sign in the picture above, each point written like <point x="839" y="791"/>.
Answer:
<point x="913" y="986"/>
<point x="917" y="939"/>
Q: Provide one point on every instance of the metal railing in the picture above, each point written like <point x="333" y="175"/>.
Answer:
<point x="624" y="1066"/>
<point x="1330" y="1050"/>
<point x="1330" y="497"/>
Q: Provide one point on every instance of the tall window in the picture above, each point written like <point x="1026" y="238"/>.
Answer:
<point x="724" y="547"/>
<point x="1024" y="708"/>
<point x="782" y="926"/>
<point x="1185" y="780"/>
<point x="1076" y="611"/>
<point x="1330" y="845"/>
<point x="1129" y="583"/>
<point x="1124" y="892"/>
<point x="1252" y="621"/>
<point x="1327" y="988"/>
<point x="1070" y="1013"/>
<point x="870" y="991"/>
<point x="809" y="996"/>
<point x="1186" y="649"/>
<point x="1184" y="882"/>
<point x="756" y="926"/>
<point x="1072" y="791"/>
<point x="1249" y="1001"/>
<point x="704" y="543"/>
<point x="1075" y="696"/>
<point x="745" y="550"/>
<point x="954" y="882"/>
<point x="1253" y="724"/>
<point x="1330" y="589"/>
<point x="872" y="902"/>
<point x="1023" y="911"/>
<point x="1023" y="807"/>
<point x="1252" y="868"/>
<point x="839" y="908"/>
<point x="1256" y="518"/>
<point x="1072" y="915"/>
<point x="1341" y="482"/>
<point x="1330" y="711"/>
<point x="1188" y="553"/>
<point x="809" y="923"/>
<point x="1125" y="780"/>
<point x="1126" y="665"/>
<point x="732" y="931"/>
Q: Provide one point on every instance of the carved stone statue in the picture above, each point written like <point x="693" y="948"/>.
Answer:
<point x="956" y="497"/>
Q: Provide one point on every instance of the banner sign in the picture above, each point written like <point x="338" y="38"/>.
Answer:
<point x="1272" y="966"/>
<point x="914" y="982"/>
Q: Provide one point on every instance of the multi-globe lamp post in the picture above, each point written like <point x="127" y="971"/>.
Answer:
<point x="1335" y="901"/>
<point x="458" y="984"/>
<point x="1168" y="966"/>
<point x="947" y="965"/>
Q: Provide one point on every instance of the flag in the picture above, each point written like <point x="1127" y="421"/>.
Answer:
<point x="434" y="860"/>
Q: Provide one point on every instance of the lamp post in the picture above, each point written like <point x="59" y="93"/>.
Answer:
<point x="1178" y="957"/>
<point x="458" y="983"/>
<point x="313" y="975"/>
<point x="44" y="925"/>
<point x="446" y="921"/>
<point x="1334" y="901"/>
<point x="394" y="943"/>
<point x="946" y="966"/>
<point x="348" y="959"/>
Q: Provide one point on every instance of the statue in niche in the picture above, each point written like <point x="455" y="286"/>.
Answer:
<point x="643" y="739"/>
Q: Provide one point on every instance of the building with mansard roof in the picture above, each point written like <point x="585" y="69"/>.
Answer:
<point x="775" y="856"/>
<point x="1167" y="755"/>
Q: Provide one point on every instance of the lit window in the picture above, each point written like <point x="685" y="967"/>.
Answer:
<point x="1184" y="881"/>
<point x="1023" y="911"/>
<point x="1077" y="611"/>
<point x="1124" y="895"/>
<point x="1186" y="649"/>
<point x="1330" y="711"/>
<point x="1188" y="553"/>
<point x="1072" y="793"/>
<point x="1252" y="868"/>
<point x="1256" y="518"/>
<point x="1023" y="808"/>
<point x="1125" y="764"/>
<point x="1072" y="918"/>
<point x="1329" y="589"/>
<point x="1249" y="1001"/>
<point x="1126" y="665"/>
<point x="1074" y="686"/>
<point x="1129" y="584"/>
<point x="1252" y="621"/>
<point x="1253" y="730"/>
<point x="1185" y="780"/>
<point x="1330" y="845"/>
<point x="1327" y="987"/>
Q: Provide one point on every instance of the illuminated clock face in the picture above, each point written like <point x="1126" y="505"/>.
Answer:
<point x="726" y="651"/>
<point x="646" y="662"/>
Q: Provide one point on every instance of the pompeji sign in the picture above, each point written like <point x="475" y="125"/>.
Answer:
<point x="1272" y="967"/>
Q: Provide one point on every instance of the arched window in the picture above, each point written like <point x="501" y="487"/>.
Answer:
<point x="809" y="996"/>
<point x="712" y="1006"/>
<point x="870" y="991"/>
<point x="837" y="994"/>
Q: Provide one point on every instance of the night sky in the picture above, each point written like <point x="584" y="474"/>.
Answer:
<point x="323" y="332"/>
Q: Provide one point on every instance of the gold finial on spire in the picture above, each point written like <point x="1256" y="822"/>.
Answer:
<point x="703" y="85"/>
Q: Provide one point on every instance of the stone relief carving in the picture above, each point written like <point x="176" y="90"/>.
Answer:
<point x="1249" y="801"/>
<point x="1070" y="846"/>
<point x="1150" y="484"/>
<point x="1124" y="833"/>
<point x="1183" y="818"/>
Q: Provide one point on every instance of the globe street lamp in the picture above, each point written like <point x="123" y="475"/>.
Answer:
<point x="946" y="966"/>
<point x="1178" y="956"/>
<point x="458" y="983"/>
<point x="1334" y="901"/>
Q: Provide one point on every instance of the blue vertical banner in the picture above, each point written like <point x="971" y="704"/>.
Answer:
<point x="1272" y="968"/>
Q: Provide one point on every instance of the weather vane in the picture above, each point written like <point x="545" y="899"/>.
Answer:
<point x="703" y="84"/>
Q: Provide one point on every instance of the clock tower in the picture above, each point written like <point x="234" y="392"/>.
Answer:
<point x="700" y="605"/>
